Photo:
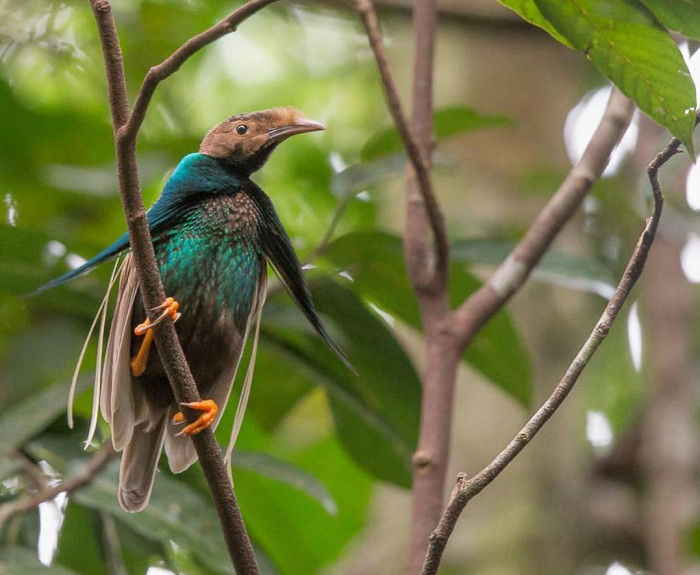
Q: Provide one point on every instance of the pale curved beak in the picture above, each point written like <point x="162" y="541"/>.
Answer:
<point x="299" y="126"/>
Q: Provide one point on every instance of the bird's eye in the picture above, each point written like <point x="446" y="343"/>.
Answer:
<point x="241" y="129"/>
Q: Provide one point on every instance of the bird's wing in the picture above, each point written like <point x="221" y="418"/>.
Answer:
<point x="162" y="216"/>
<point x="279" y="251"/>
<point x="112" y="251"/>
<point x="253" y="323"/>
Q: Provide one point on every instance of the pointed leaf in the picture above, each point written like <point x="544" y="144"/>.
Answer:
<point x="284" y="472"/>
<point x="556" y="267"/>
<point x="375" y="262"/>
<point x="679" y="15"/>
<point x="528" y="11"/>
<point x="629" y="46"/>
<point x="22" y="561"/>
<point x="379" y="407"/>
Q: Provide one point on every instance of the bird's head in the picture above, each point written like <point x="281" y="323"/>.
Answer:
<point x="245" y="141"/>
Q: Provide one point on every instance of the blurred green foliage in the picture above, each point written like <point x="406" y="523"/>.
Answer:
<point x="316" y="439"/>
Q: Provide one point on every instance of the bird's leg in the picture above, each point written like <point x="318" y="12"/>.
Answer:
<point x="170" y="309"/>
<point x="209" y="410"/>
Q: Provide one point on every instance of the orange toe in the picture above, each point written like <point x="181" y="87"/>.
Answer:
<point x="169" y="308"/>
<point x="209" y="410"/>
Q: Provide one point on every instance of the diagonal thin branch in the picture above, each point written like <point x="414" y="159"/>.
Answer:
<point x="126" y="130"/>
<point x="419" y="159"/>
<point x="173" y="63"/>
<point x="510" y="276"/>
<point x="82" y="477"/>
<point x="465" y="489"/>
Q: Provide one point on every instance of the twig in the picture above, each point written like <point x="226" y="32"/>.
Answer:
<point x="423" y="277"/>
<point x="173" y="63"/>
<point x="465" y="489"/>
<point x="81" y="478"/>
<point x="126" y="130"/>
<point x="31" y="469"/>
<point x="478" y="308"/>
<point x="112" y="545"/>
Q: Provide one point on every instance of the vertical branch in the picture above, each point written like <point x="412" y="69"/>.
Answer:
<point x="416" y="240"/>
<point x="176" y="368"/>
<point x="426" y="268"/>
<point x="428" y="272"/>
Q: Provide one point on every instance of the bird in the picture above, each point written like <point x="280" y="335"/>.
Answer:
<point x="214" y="230"/>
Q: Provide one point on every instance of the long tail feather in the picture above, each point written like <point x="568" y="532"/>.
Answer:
<point x="97" y="389"/>
<point x="138" y="467"/>
<point x="247" y="383"/>
<point x="101" y="312"/>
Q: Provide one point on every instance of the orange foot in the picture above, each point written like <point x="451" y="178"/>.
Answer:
<point x="138" y="362"/>
<point x="209" y="410"/>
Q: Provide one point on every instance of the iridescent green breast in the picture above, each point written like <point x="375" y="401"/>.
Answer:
<point x="211" y="260"/>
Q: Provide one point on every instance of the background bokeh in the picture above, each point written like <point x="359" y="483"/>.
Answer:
<point x="322" y="467"/>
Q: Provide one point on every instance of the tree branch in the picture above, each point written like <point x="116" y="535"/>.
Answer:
<point x="126" y="130"/>
<point x="425" y="272"/>
<point x="173" y="63"/>
<point x="465" y="489"/>
<point x="84" y="476"/>
<point x="509" y="277"/>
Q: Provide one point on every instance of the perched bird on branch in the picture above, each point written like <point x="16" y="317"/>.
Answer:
<point x="213" y="231"/>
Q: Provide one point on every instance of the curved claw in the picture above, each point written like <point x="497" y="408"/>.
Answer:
<point x="170" y="309"/>
<point x="209" y="410"/>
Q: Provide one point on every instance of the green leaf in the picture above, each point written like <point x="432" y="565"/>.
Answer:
<point x="22" y="561"/>
<point x="295" y="532"/>
<point x="284" y="472"/>
<point x="375" y="262"/>
<point x="176" y="512"/>
<point x="679" y="15"/>
<point x="283" y="387"/>
<point x="79" y="546"/>
<point x="380" y="407"/>
<point x="447" y="122"/>
<point x="629" y="46"/>
<point x="556" y="267"/>
<point x="359" y="177"/>
<point x="528" y="11"/>
<point x="693" y="539"/>
<point x="27" y="418"/>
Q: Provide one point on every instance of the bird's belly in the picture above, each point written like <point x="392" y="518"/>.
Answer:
<point x="215" y="285"/>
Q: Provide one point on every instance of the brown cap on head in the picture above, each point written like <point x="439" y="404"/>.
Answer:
<point x="246" y="140"/>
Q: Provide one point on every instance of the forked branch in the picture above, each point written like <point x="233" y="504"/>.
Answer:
<point x="437" y="276"/>
<point x="467" y="488"/>
<point x="80" y="478"/>
<point x="126" y="127"/>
